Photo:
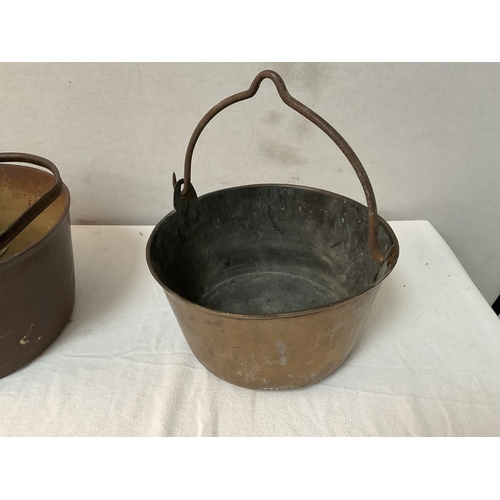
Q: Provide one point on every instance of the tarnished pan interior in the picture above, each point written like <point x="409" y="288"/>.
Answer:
<point x="17" y="192"/>
<point x="268" y="249"/>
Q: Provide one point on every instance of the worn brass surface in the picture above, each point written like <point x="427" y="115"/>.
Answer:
<point x="277" y="352"/>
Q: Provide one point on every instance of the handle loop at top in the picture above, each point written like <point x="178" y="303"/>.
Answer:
<point x="314" y="118"/>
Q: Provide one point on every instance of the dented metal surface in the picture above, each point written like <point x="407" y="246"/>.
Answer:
<point x="271" y="284"/>
<point x="37" y="282"/>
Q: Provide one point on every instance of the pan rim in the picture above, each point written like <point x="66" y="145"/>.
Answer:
<point x="270" y="316"/>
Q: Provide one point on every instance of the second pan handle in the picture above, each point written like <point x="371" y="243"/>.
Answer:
<point x="40" y="205"/>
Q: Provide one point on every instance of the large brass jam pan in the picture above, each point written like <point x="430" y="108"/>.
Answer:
<point x="271" y="284"/>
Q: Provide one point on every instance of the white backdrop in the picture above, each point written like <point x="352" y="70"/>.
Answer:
<point x="427" y="134"/>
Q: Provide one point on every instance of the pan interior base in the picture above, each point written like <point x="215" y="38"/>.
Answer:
<point x="270" y="292"/>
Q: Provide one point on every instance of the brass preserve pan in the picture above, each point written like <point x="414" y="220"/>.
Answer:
<point x="37" y="278"/>
<point x="271" y="284"/>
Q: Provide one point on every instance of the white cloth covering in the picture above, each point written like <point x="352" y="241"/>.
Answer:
<point x="427" y="363"/>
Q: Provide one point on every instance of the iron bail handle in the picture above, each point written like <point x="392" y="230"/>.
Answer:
<point x="314" y="118"/>
<point x="40" y="205"/>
